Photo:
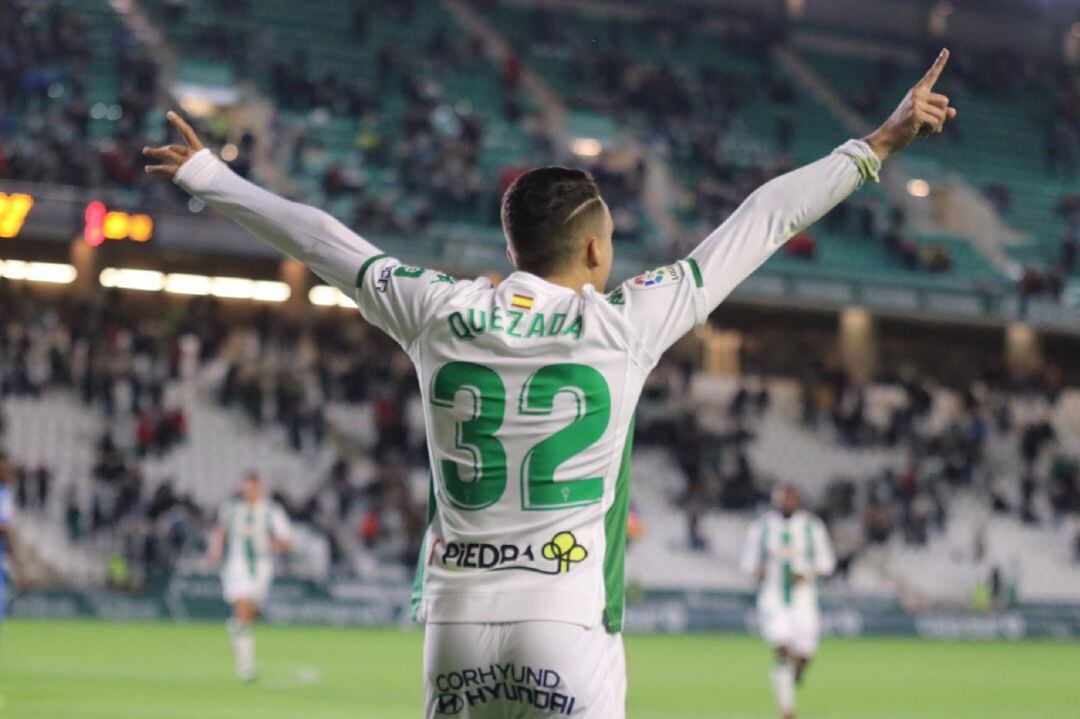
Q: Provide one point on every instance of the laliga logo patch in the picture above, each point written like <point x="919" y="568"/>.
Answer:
<point x="657" y="277"/>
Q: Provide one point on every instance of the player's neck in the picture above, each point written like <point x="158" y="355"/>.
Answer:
<point x="573" y="279"/>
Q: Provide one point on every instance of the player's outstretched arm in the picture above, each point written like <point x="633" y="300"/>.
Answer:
<point x="304" y="233"/>
<point x="216" y="550"/>
<point x="788" y="204"/>
<point x="753" y="556"/>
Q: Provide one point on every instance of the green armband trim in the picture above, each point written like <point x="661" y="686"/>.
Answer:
<point x="864" y="158"/>
<point x="698" y="281"/>
<point x="364" y="268"/>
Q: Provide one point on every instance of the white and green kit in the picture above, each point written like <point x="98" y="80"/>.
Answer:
<point x="791" y="552"/>
<point x="529" y="390"/>
<point x="248" y="566"/>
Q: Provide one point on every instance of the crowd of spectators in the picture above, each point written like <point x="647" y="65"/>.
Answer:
<point x="119" y="357"/>
<point x="54" y="62"/>
<point x="977" y="445"/>
<point x="1062" y="126"/>
<point x="283" y="377"/>
<point x="120" y="360"/>
<point x="423" y="162"/>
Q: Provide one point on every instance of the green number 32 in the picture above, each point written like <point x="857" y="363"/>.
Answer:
<point x="476" y="434"/>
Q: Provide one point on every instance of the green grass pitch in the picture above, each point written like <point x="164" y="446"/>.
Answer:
<point x="77" y="670"/>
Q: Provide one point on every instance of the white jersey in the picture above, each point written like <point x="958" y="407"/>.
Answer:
<point x="784" y="549"/>
<point x="529" y="388"/>
<point x="249" y="531"/>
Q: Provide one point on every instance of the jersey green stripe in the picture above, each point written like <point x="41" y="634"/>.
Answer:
<point x="421" y="561"/>
<point x="249" y="552"/>
<point x="789" y="579"/>
<point x="696" y="271"/>
<point x="364" y="268"/>
<point x="615" y="536"/>
<point x="249" y="543"/>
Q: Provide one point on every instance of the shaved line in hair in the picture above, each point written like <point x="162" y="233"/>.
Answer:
<point x="580" y="209"/>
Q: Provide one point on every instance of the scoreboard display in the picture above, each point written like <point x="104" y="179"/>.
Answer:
<point x="24" y="215"/>
<point x="104" y="224"/>
<point x="13" y="211"/>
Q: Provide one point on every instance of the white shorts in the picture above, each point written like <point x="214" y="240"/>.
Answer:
<point x="242" y="584"/>
<point x="523" y="670"/>
<point x="794" y="628"/>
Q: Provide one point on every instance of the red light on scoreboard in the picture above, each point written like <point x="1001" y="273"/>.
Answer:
<point x="13" y="211"/>
<point x="102" y="224"/>
<point x="95" y="218"/>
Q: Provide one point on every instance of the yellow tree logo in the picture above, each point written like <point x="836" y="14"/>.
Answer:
<point x="564" y="548"/>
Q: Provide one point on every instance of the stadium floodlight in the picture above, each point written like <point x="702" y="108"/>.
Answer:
<point x="587" y="147"/>
<point x="125" y="279"/>
<point x="918" y="188"/>
<point x="323" y="295"/>
<point x="13" y="270"/>
<point x="244" y="289"/>
<point x="270" y="291"/>
<point x="52" y="272"/>
<point x="179" y="283"/>
<point x="327" y="296"/>
<point x="232" y="287"/>
<point x="182" y="284"/>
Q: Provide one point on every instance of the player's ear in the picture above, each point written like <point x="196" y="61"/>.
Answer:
<point x="593" y="254"/>
<point x="510" y="257"/>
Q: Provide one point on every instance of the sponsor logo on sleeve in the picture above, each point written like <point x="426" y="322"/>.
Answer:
<point x="383" y="283"/>
<point x="655" y="278"/>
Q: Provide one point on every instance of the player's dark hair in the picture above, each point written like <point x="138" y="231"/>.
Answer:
<point x="543" y="214"/>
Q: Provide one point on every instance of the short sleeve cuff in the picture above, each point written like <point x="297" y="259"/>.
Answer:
<point x="198" y="173"/>
<point x="700" y="302"/>
<point x="866" y="161"/>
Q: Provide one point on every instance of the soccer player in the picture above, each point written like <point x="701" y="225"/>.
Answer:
<point x="786" y="550"/>
<point x="251" y="529"/>
<point x="529" y="390"/>
<point x="7" y="534"/>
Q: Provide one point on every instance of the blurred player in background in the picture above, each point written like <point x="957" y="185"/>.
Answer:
<point x="529" y="391"/>
<point x="251" y="529"/>
<point x="7" y="536"/>
<point x="787" y="549"/>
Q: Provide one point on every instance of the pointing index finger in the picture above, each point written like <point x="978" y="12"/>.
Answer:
<point x="185" y="130"/>
<point x="934" y="72"/>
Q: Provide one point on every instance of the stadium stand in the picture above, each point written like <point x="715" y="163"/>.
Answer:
<point x="731" y="116"/>
<point x="77" y="97"/>
<point x="379" y="135"/>
<point x="126" y="421"/>
<point x="1017" y="141"/>
<point x="140" y="448"/>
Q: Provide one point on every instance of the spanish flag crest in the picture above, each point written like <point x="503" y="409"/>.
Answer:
<point x="521" y="302"/>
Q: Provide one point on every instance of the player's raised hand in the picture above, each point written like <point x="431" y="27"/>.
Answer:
<point x="172" y="157"/>
<point x="921" y="113"/>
